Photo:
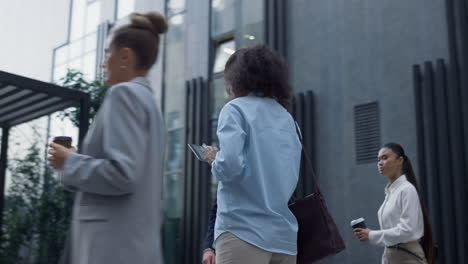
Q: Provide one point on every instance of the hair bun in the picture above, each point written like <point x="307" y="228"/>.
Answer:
<point x="152" y="21"/>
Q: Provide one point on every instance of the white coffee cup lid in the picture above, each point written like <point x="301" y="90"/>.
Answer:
<point x="357" y="221"/>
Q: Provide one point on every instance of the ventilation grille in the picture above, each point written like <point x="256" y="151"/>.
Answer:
<point x="367" y="126"/>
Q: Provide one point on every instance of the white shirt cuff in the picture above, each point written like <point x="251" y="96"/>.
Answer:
<point x="373" y="236"/>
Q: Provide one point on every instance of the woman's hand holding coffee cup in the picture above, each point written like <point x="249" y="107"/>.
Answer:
<point x="362" y="234"/>
<point x="58" y="155"/>
<point x="360" y="229"/>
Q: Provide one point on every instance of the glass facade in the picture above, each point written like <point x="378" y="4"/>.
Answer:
<point x="243" y="18"/>
<point x="223" y="16"/>
<point x="223" y="51"/>
<point x="174" y="111"/>
<point x="124" y="8"/>
<point x="80" y="53"/>
<point x="234" y="24"/>
<point x="175" y="7"/>
<point x="251" y="29"/>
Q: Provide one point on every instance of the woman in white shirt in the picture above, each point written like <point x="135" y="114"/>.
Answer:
<point x="405" y="231"/>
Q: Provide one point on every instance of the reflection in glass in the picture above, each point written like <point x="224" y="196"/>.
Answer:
<point x="174" y="76"/>
<point x="92" y="16"/>
<point x="252" y="27"/>
<point x="174" y="91"/>
<point x="125" y="7"/>
<point x="221" y="97"/>
<point x="176" y="28"/>
<point x="223" y="16"/>
<point x="171" y="199"/>
<point x="172" y="217"/>
<point x="175" y="6"/>
<point x="174" y="154"/>
<point x="174" y="109"/>
<point x="245" y="17"/>
<point x="223" y="52"/>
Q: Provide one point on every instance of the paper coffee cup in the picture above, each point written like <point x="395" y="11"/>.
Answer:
<point x="64" y="141"/>
<point x="358" y="223"/>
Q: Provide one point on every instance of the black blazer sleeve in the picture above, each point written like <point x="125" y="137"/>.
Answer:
<point x="209" y="237"/>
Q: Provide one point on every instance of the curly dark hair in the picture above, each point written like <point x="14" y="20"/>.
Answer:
<point x="259" y="70"/>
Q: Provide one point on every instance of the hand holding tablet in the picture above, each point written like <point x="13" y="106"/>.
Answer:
<point x="204" y="153"/>
<point x="197" y="151"/>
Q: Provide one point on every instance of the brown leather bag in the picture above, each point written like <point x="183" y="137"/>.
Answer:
<point x="318" y="236"/>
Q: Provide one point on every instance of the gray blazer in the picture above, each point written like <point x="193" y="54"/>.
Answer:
<point x="118" y="181"/>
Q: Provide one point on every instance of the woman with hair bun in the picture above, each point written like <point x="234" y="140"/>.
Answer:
<point x="117" y="176"/>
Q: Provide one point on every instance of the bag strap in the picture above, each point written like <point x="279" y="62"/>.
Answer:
<point x="307" y="156"/>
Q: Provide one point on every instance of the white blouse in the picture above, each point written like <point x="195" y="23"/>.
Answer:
<point x="400" y="216"/>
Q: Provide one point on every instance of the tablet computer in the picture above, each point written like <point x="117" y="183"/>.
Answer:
<point x="197" y="151"/>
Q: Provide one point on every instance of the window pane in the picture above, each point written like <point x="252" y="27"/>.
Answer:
<point x="92" y="17"/>
<point x="75" y="64"/>
<point x="174" y="103"/>
<point x="175" y="86"/>
<point x="61" y="55"/>
<point x="175" y="6"/>
<point x="174" y="75"/>
<point x="89" y="66"/>
<point x="76" y="49"/>
<point x="223" y="16"/>
<point x="59" y="72"/>
<point x="252" y="11"/>
<point x="223" y="52"/>
<point x="220" y="99"/>
<point x="174" y="155"/>
<point x="78" y="17"/>
<point x="252" y="29"/>
<point x="172" y="216"/>
<point x="125" y="7"/>
<point x="90" y="42"/>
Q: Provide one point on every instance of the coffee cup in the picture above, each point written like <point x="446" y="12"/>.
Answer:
<point x="64" y="141"/>
<point x="358" y="223"/>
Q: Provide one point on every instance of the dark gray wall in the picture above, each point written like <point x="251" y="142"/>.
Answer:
<point x="351" y="52"/>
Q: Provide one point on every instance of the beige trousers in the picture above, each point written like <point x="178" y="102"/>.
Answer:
<point x="232" y="250"/>
<point x="398" y="256"/>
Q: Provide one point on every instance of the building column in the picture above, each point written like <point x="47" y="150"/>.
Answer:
<point x="275" y="25"/>
<point x="3" y="168"/>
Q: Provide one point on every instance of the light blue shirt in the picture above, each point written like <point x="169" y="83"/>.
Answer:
<point x="258" y="169"/>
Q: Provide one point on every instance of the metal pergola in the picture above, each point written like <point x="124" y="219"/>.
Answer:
<point x="23" y="99"/>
